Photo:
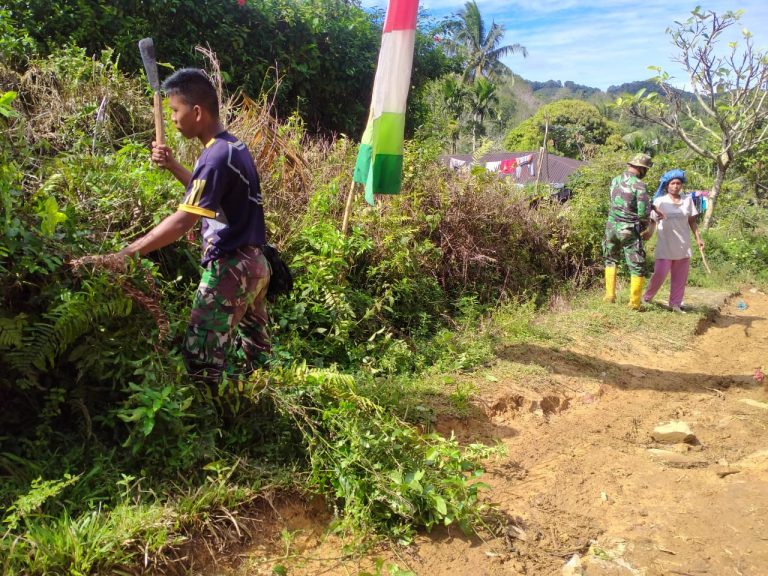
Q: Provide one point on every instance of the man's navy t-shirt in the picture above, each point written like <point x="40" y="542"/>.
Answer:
<point x="225" y="190"/>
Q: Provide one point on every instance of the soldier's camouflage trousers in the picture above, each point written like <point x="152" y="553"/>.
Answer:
<point x="229" y="315"/>
<point x="624" y="239"/>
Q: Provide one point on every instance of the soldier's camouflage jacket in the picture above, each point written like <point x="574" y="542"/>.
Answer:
<point x="630" y="204"/>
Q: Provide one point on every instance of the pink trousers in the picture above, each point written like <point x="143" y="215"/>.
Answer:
<point x="679" y="273"/>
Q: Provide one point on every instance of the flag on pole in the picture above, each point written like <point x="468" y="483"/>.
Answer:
<point x="379" y="162"/>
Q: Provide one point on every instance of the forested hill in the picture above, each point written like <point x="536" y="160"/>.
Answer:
<point x="632" y="87"/>
<point x="552" y="90"/>
<point x="557" y="90"/>
<point x="649" y="85"/>
<point x="530" y="95"/>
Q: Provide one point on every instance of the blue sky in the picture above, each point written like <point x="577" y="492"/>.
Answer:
<point x="597" y="43"/>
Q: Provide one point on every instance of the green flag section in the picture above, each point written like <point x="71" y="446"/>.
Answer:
<point x="379" y="164"/>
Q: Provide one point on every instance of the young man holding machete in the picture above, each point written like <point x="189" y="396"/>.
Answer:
<point x="223" y="189"/>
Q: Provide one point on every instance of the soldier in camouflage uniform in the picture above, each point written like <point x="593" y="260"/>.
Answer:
<point x="628" y="215"/>
<point x="229" y="310"/>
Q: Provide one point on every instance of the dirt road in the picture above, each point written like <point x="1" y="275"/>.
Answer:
<point x="584" y="481"/>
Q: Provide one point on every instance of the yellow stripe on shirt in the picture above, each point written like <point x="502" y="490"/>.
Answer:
<point x="197" y="210"/>
<point x="190" y="197"/>
<point x="197" y="191"/>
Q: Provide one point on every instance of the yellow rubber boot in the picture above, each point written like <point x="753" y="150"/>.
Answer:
<point x="636" y="291"/>
<point x="610" y="284"/>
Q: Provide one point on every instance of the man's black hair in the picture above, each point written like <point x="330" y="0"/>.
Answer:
<point x="194" y="87"/>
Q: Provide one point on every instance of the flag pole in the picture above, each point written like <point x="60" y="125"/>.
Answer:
<point x="542" y="152"/>
<point x="348" y="208"/>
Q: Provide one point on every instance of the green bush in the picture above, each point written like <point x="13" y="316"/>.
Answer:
<point x="738" y="243"/>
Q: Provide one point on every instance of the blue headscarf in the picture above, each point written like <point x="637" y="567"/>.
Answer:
<point x="668" y="176"/>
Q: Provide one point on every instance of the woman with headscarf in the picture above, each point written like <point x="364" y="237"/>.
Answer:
<point x="673" y="246"/>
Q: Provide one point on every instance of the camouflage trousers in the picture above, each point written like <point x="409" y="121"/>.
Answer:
<point x="624" y="238"/>
<point x="229" y="315"/>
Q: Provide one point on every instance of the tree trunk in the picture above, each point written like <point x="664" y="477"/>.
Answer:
<point x="718" y="183"/>
<point x="476" y="124"/>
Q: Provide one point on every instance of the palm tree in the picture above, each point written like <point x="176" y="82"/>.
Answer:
<point x="454" y="99"/>
<point x="479" y="45"/>
<point x="483" y="99"/>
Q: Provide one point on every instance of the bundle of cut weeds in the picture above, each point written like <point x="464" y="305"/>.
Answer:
<point x="377" y="471"/>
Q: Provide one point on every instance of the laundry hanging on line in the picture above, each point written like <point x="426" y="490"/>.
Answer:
<point x="699" y="199"/>
<point x="508" y="166"/>
<point x="511" y="165"/>
<point x="525" y="160"/>
<point x="456" y="163"/>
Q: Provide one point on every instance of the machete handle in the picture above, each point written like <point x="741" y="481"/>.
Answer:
<point x="159" y="128"/>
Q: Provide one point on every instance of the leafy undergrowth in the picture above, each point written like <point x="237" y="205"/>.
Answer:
<point x="377" y="471"/>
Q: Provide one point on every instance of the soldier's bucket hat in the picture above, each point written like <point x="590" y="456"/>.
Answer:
<point x="641" y="160"/>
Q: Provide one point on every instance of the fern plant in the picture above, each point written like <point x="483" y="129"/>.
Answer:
<point x="77" y="313"/>
<point x="11" y="330"/>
